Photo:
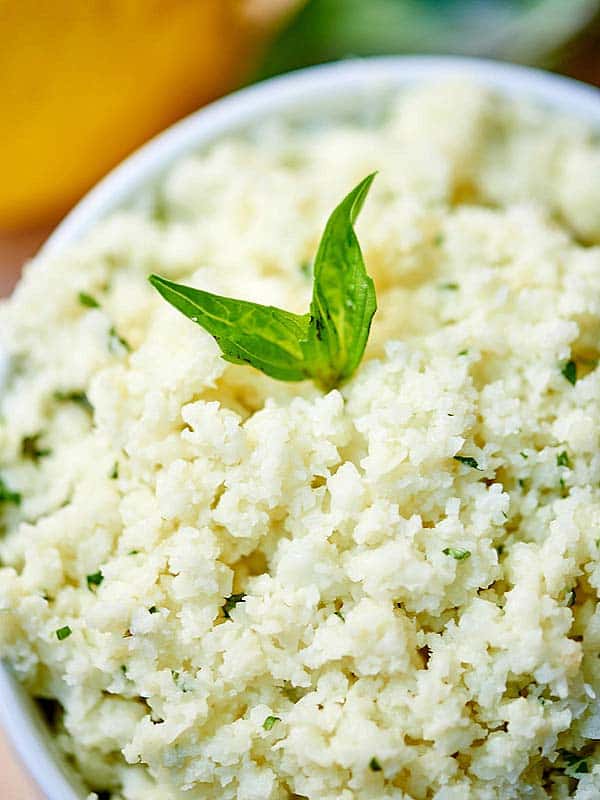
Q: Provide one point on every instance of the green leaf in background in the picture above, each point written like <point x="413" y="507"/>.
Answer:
<point x="325" y="345"/>
<point x="530" y="31"/>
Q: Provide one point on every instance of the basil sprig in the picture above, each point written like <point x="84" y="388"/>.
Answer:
<point x="325" y="345"/>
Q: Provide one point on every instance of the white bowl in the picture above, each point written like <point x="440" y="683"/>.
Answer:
<point x="329" y="90"/>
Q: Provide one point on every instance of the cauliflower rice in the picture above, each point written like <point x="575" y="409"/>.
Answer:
<point x="240" y="588"/>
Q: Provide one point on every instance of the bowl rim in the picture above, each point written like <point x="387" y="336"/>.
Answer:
<point x="275" y="96"/>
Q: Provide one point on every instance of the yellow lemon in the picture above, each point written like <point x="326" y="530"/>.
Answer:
<point x="83" y="82"/>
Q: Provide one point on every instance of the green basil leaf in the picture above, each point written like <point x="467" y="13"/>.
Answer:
<point x="343" y="300"/>
<point x="328" y="343"/>
<point x="265" y="337"/>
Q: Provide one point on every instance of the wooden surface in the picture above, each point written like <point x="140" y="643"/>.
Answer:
<point x="14" y="783"/>
<point x="15" y="249"/>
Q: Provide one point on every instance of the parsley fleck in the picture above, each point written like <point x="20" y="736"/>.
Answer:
<point x="467" y="460"/>
<point x="7" y="495"/>
<point x="451" y="287"/>
<point x="523" y="455"/>
<point x="269" y="722"/>
<point x="463" y="352"/>
<point x="500" y="549"/>
<point x="117" y="343"/>
<point x="293" y="693"/>
<point x="306" y="268"/>
<point x="456" y="553"/>
<point x="160" y="209"/>
<point x="340" y="615"/>
<point x="153" y="610"/>
<point x="94" y="580"/>
<point x="115" y="472"/>
<point x="87" y="300"/>
<point x="576" y="764"/>
<point x="31" y="449"/>
<point x="123" y="669"/>
<point x="563" y="460"/>
<point x="63" y="633"/>
<point x="74" y="396"/>
<point x="569" y="371"/>
<point x="374" y="765"/>
<point x="133" y="552"/>
<point x="231" y="602"/>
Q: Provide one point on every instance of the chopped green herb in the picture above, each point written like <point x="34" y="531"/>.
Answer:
<point x="563" y="460"/>
<point x="30" y="448"/>
<point x="117" y="343"/>
<point x="340" y="615"/>
<point x="575" y="764"/>
<point x="463" y="352"/>
<point x="452" y="287"/>
<point x="94" y="580"/>
<point x="374" y="765"/>
<point x="160" y="209"/>
<point x="269" y="722"/>
<point x="456" y="553"/>
<point x="115" y="471"/>
<point x="293" y="693"/>
<point x="123" y="669"/>
<point x="326" y="344"/>
<point x="521" y="483"/>
<point x="523" y="455"/>
<point x="74" y="396"/>
<point x="499" y="549"/>
<point x="231" y="602"/>
<point x="7" y="495"/>
<point x="153" y="610"/>
<point x="569" y="371"/>
<point x="133" y="552"/>
<point x="63" y="633"/>
<point x="87" y="300"/>
<point x="306" y="268"/>
<point x="563" y="487"/>
<point x="175" y="675"/>
<point x="467" y="460"/>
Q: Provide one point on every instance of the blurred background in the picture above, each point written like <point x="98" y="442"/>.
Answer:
<point x="85" y="82"/>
